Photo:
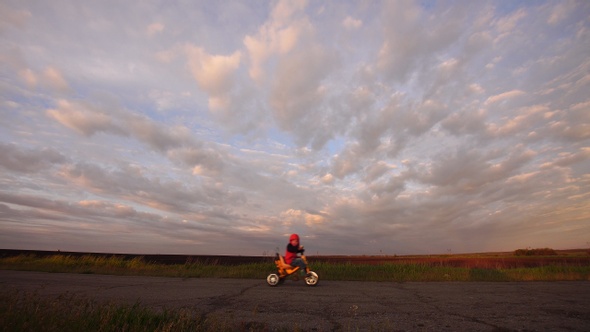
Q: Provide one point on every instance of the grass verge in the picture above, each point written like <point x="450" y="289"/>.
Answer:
<point x="20" y="311"/>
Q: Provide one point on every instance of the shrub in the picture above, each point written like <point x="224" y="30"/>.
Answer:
<point x="535" y="252"/>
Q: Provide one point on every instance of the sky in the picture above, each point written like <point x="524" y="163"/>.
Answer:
<point x="367" y="127"/>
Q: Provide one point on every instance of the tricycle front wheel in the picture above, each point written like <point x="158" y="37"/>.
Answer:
<point x="313" y="279"/>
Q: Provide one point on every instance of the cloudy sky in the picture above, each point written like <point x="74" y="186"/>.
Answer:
<point x="368" y="127"/>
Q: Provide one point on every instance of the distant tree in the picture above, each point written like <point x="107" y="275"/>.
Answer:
<point x="535" y="252"/>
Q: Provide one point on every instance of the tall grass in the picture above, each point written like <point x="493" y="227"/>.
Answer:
<point x="396" y="272"/>
<point x="114" y="265"/>
<point x="416" y="272"/>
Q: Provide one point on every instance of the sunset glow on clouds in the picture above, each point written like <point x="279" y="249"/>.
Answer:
<point x="220" y="127"/>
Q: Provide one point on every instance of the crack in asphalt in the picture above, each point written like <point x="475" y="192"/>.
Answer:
<point x="219" y="302"/>
<point x="327" y="314"/>
<point x="426" y="300"/>
<point x="134" y="285"/>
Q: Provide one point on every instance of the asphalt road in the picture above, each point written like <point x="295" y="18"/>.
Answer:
<point x="338" y="305"/>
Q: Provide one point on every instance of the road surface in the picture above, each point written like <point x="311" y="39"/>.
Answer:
<point x="338" y="305"/>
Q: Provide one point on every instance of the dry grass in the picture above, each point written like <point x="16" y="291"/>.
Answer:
<point x="20" y="311"/>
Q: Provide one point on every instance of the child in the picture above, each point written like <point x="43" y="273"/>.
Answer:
<point x="291" y="258"/>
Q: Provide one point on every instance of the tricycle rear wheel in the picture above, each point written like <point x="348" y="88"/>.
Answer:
<point x="273" y="279"/>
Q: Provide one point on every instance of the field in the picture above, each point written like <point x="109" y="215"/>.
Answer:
<point x="550" y="266"/>
<point x="572" y="257"/>
<point x="481" y="260"/>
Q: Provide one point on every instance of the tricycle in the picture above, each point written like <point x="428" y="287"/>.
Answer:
<point x="285" y="270"/>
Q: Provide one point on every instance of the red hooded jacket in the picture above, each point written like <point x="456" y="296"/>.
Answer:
<point x="292" y="250"/>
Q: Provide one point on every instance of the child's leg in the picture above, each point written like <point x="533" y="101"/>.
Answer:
<point x="301" y="264"/>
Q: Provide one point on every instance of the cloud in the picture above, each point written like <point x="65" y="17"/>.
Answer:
<point x="50" y="77"/>
<point x="89" y="120"/>
<point x="298" y="91"/>
<point x="408" y="44"/>
<point x="29" y="77"/>
<point x="14" y="159"/>
<point x="214" y="74"/>
<point x="167" y="196"/>
<point x="155" y="28"/>
<point x="560" y="12"/>
<point x="160" y="137"/>
<point x="292" y="216"/>
<point x="11" y="17"/>
<point x="569" y="159"/>
<point x="279" y="35"/>
<point x="55" y="79"/>
<point x="351" y="23"/>
<point x="205" y="161"/>
<point x="504" y="96"/>
<point x="466" y="122"/>
<point x="468" y="169"/>
<point x="83" y="118"/>
<point x="366" y="127"/>
<point x="508" y="23"/>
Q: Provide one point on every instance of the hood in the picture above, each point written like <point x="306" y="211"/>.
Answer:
<point x="293" y="236"/>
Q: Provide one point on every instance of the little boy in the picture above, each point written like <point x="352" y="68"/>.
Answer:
<point x="291" y="258"/>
